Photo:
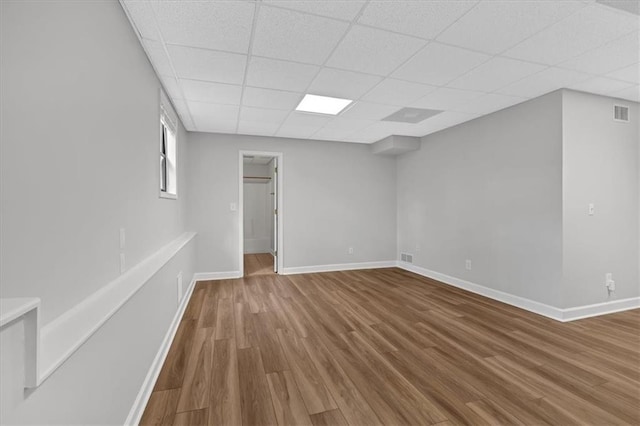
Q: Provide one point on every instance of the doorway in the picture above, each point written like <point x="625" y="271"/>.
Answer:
<point x="260" y="201"/>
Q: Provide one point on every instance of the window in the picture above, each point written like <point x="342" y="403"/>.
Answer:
<point x="168" y="128"/>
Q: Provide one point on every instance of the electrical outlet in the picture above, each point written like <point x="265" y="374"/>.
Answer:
<point x="350" y="250"/>
<point x="609" y="282"/>
<point x="417" y="248"/>
<point x="467" y="265"/>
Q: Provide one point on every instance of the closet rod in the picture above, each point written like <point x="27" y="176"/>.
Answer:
<point x="256" y="177"/>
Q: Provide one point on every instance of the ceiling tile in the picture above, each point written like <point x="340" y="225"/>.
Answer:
<point x="340" y="128"/>
<point x="171" y="87"/>
<point x="369" y="111"/>
<point x="286" y="34"/>
<point x="494" y="74"/>
<point x="438" y="64"/>
<point x="586" y="29"/>
<point x="214" y="117"/>
<point x="141" y="13"/>
<point x="372" y="133"/>
<point x="617" y="54"/>
<point x="488" y="103"/>
<point x="397" y="92"/>
<point x="267" y="98"/>
<point x="220" y="25"/>
<point x="543" y="82"/>
<point x="601" y="86"/>
<point x="298" y="132"/>
<point x="338" y="9"/>
<point x="445" y="98"/>
<point x="185" y="116"/>
<point x="257" y="128"/>
<point x="630" y="73"/>
<point x="158" y="57"/>
<point x="263" y="115"/>
<point x="630" y="93"/>
<point x="373" y="51"/>
<point x="302" y="125"/>
<point x="204" y="91"/>
<point x="275" y="74"/>
<point x="493" y="26"/>
<point x="342" y="84"/>
<point x="424" y="19"/>
<point x="303" y="119"/>
<point x="445" y="120"/>
<point x="208" y="65"/>
<point x="382" y="129"/>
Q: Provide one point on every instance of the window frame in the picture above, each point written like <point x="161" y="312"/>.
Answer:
<point x="168" y="154"/>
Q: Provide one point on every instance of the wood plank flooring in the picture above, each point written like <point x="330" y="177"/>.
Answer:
<point x="389" y="347"/>
<point x="258" y="264"/>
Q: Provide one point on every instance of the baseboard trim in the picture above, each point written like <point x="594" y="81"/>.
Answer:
<point x="558" y="314"/>
<point x="338" y="267"/>
<point x="610" y="307"/>
<point x="517" y="301"/>
<point x="135" y="414"/>
<point x="225" y="275"/>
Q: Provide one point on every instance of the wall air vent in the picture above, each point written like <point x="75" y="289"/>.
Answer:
<point x="621" y="113"/>
<point x="406" y="257"/>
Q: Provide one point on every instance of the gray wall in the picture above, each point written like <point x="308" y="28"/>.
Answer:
<point x="336" y="195"/>
<point x="79" y="160"/>
<point x="600" y="166"/>
<point x="79" y="152"/>
<point x="489" y="190"/>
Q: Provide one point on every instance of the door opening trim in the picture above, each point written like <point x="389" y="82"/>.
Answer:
<point x="280" y="215"/>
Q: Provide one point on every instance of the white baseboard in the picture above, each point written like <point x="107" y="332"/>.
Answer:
<point x="225" y="275"/>
<point x="135" y="414"/>
<point x="338" y="267"/>
<point x="520" y="302"/>
<point x="610" y="307"/>
<point x="558" y="314"/>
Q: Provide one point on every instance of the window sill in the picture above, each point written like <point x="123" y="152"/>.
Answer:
<point x="168" y="195"/>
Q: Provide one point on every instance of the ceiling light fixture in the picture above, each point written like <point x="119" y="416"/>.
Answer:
<point x="322" y="104"/>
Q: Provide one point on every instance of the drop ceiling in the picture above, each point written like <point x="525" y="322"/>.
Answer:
<point x="243" y="66"/>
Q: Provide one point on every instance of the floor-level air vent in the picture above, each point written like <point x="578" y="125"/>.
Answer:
<point x="406" y="257"/>
<point x="621" y="113"/>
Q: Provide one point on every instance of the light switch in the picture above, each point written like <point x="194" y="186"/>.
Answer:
<point x="233" y="207"/>
<point x="592" y="209"/>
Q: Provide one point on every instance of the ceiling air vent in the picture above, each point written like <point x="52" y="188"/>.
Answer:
<point x="621" y="113"/>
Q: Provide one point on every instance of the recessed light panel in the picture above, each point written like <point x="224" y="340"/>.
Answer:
<point x="322" y="104"/>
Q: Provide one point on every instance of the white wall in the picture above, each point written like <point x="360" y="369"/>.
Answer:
<point x="600" y="166"/>
<point x="79" y="160"/>
<point x="489" y="190"/>
<point x="336" y="195"/>
<point x="258" y="212"/>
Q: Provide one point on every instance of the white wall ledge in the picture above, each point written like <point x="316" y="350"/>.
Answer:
<point x="15" y="307"/>
<point x="12" y="309"/>
<point x="48" y="348"/>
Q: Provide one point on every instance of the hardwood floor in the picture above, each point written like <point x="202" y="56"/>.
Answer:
<point x="258" y="264"/>
<point x="389" y="347"/>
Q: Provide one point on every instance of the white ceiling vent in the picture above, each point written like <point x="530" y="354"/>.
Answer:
<point x="621" y="113"/>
